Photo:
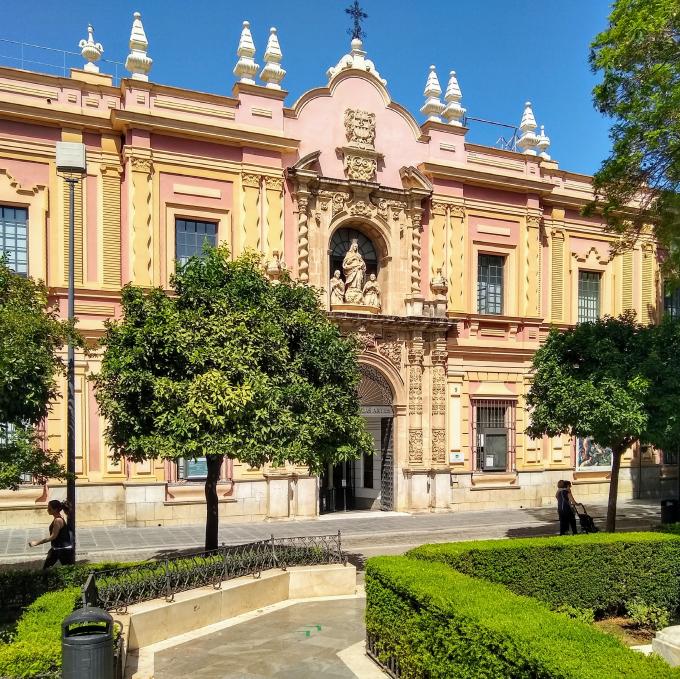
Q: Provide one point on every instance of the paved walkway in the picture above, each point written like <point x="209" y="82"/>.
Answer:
<point x="363" y="533"/>
<point x="298" y="642"/>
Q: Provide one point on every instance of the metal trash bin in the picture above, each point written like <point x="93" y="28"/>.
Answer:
<point x="670" y="511"/>
<point x="87" y="644"/>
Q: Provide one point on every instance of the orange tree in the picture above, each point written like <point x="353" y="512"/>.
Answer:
<point x="230" y="364"/>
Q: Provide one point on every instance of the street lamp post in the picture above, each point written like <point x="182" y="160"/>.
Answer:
<point x="72" y="166"/>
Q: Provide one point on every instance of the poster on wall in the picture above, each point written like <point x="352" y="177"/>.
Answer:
<point x="591" y="456"/>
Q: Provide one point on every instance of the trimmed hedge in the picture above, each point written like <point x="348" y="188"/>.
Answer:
<point x="36" y="649"/>
<point x="603" y="571"/>
<point x="440" y="624"/>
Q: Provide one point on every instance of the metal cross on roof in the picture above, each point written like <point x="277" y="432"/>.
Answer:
<point x="358" y="15"/>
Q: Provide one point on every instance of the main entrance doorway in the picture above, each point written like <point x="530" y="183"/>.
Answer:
<point x="366" y="483"/>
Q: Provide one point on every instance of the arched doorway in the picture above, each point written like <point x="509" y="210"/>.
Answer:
<point x="367" y="483"/>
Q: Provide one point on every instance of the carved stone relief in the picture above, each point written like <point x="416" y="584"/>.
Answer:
<point x="438" y="446"/>
<point x="360" y="128"/>
<point x="415" y="445"/>
<point x="391" y="350"/>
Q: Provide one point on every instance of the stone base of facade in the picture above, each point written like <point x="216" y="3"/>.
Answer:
<point x="276" y="497"/>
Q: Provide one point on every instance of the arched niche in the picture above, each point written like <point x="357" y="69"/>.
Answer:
<point x="373" y="249"/>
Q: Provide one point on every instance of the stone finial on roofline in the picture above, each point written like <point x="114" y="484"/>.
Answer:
<point x="543" y="144"/>
<point x="528" y="140"/>
<point x="246" y="69"/>
<point x="433" y="107"/>
<point x="454" y="112"/>
<point x="356" y="59"/>
<point x="91" y="51"/>
<point x="138" y="61"/>
<point x="272" y="73"/>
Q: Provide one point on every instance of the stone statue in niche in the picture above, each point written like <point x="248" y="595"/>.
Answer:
<point x="354" y="268"/>
<point x="337" y="289"/>
<point x="372" y="292"/>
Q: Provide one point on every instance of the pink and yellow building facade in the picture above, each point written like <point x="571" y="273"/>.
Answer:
<point x="476" y="252"/>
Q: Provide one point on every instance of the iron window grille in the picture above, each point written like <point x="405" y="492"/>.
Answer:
<point x="588" y="296"/>
<point x="670" y="457"/>
<point x="493" y="435"/>
<point x="192" y="237"/>
<point x="490" y="284"/>
<point x="671" y="302"/>
<point x="14" y="238"/>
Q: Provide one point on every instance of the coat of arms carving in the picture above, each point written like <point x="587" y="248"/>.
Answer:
<point x="360" y="128"/>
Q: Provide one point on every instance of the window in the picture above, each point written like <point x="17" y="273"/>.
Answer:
<point x="14" y="237"/>
<point x="671" y="302"/>
<point x="588" y="296"/>
<point x="7" y="436"/>
<point x="493" y="434"/>
<point x="368" y="470"/>
<point x="191" y="237"/>
<point x="490" y="284"/>
<point x="192" y="470"/>
<point x="671" y="456"/>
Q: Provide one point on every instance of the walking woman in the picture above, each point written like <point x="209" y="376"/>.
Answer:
<point x="565" y="507"/>
<point x="60" y="537"/>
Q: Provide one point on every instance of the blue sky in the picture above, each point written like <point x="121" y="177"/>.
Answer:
<point x="504" y="51"/>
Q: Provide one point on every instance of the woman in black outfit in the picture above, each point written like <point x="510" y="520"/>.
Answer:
<point x="60" y="536"/>
<point x="565" y="507"/>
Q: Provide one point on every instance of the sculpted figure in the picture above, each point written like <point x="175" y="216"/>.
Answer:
<point x="354" y="269"/>
<point x="337" y="289"/>
<point x="372" y="292"/>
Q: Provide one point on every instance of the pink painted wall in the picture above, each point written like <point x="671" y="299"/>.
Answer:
<point x="320" y="126"/>
<point x="94" y="433"/>
<point x="10" y="128"/>
<point x="192" y="148"/>
<point x="477" y="223"/>
<point x="26" y="173"/>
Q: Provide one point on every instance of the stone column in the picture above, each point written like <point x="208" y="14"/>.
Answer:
<point x="414" y="297"/>
<point x="302" y="199"/>
<point x="557" y="291"/>
<point x="440" y="493"/>
<point x="419" y="494"/>
<point x="649" y="291"/>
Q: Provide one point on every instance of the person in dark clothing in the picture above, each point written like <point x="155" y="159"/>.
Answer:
<point x="60" y="537"/>
<point x="565" y="507"/>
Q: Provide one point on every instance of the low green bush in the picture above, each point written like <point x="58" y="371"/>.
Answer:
<point x="441" y="624"/>
<point x="36" y="648"/>
<point x="603" y="571"/>
<point x="648" y="616"/>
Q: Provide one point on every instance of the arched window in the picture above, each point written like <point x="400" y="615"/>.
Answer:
<point x="340" y="243"/>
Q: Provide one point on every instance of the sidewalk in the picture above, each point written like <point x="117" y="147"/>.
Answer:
<point x="363" y="533"/>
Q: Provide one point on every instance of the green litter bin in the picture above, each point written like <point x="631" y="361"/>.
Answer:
<point x="87" y="644"/>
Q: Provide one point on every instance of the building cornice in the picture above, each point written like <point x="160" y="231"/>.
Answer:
<point x="122" y="121"/>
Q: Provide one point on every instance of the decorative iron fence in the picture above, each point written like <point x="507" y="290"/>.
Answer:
<point x="118" y="588"/>
<point x="391" y="667"/>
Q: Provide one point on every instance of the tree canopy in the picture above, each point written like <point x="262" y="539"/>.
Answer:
<point x="31" y="339"/>
<point x="593" y="380"/>
<point x="231" y="364"/>
<point x="639" y="58"/>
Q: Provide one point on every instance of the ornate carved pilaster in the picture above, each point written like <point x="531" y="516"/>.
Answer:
<point x="439" y="358"/>
<point x="141" y="240"/>
<point x="273" y="232"/>
<point x="532" y="266"/>
<point x="415" y="398"/>
<point x="457" y="247"/>
<point x="250" y="213"/>
<point x="416" y="226"/>
<point x="438" y="224"/>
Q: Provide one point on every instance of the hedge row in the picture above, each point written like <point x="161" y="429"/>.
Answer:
<point x="36" y="649"/>
<point x="602" y="571"/>
<point x="441" y="624"/>
<point x="20" y="587"/>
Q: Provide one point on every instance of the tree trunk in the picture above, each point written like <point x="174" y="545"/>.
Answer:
<point x="212" y="519"/>
<point x="617" y="454"/>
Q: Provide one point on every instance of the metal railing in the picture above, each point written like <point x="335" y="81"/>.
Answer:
<point x="118" y="588"/>
<point x="390" y="666"/>
<point x="30" y="57"/>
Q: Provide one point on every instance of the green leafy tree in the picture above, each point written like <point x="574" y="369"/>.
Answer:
<point x="592" y="380"/>
<point x="31" y="339"/>
<point x="231" y="365"/>
<point x="662" y="367"/>
<point x="639" y="57"/>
